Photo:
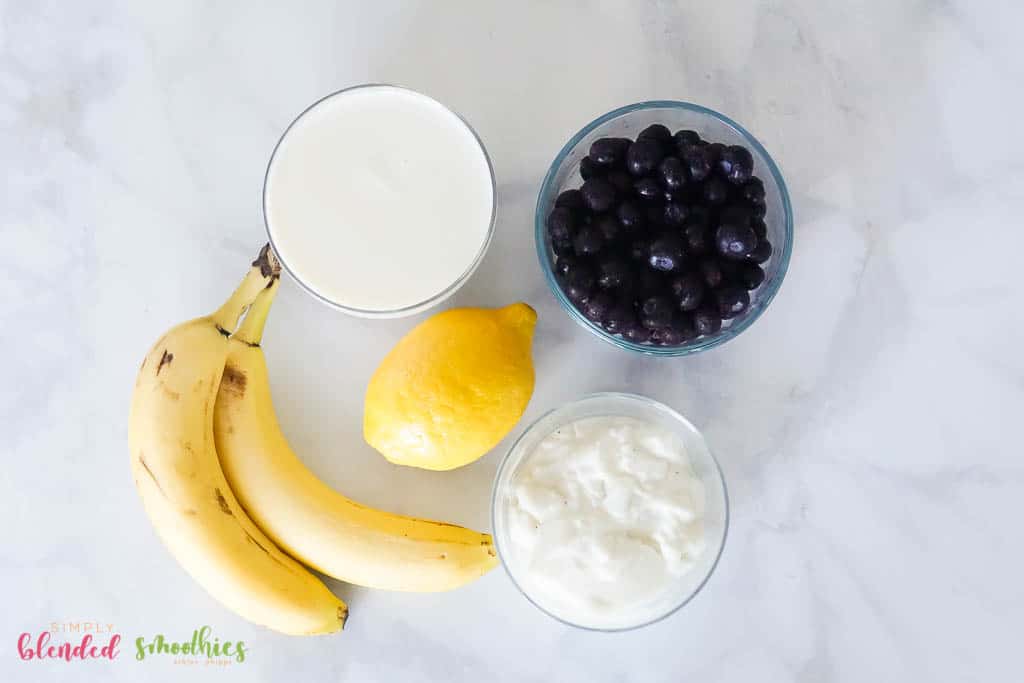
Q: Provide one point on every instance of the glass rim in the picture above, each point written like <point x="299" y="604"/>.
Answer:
<point x="766" y="295"/>
<point x="565" y="407"/>
<point x="432" y="300"/>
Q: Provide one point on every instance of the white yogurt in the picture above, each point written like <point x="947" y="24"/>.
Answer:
<point x="603" y="517"/>
<point x="379" y="198"/>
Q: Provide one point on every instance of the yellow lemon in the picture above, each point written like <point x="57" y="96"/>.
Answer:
<point x="452" y="388"/>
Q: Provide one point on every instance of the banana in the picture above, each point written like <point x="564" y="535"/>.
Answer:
<point x="178" y="476"/>
<point x="312" y="522"/>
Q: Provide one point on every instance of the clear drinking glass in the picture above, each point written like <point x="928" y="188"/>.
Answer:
<point x="428" y="302"/>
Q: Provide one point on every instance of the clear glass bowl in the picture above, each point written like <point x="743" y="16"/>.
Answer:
<point x="716" y="510"/>
<point x="430" y="301"/>
<point x="628" y="121"/>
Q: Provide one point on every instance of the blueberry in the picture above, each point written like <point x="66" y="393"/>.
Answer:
<point x="613" y="273"/>
<point x="714" y="152"/>
<point x="650" y="283"/>
<point x="682" y="324"/>
<point x="731" y="301"/>
<point x="736" y="164"/>
<point x="638" y="250"/>
<point x="688" y="290"/>
<point x="598" y="194"/>
<point x="699" y="213"/>
<point x="761" y="253"/>
<point x="672" y="173"/>
<point x="609" y="152"/>
<point x="636" y="333"/>
<point x="716" y="190"/>
<point x="758" y="207"/>
<point x="570" y="199"/>
<point x="666" y="336"/>
<point x="656" y="311"/>
<point x="711" y="272"/>
<point x="563" y="265"/>
<point x="707" y="321"/>
<point x="760" y="229"/>
<point x="666" y="254"/>
<point x="697" y="162"/>
<point x="695" y="237"/>
<point x="562" y="247"/>
<point x="752" y="190"/>
<point x="560" y="224"/>
<point x="657" y="133"/>
<point x="590" y="169"/>
<point x="655" y="214"/>
<point x="730" y="270"/>
<point x="608" y="225"/>
<point x="578" y="283"/>
<point x="734" y="213"/>
<point x="692" y="195"/>
<point x="597" y="306"/>
<point x="620" y="317"/>
<point x="685" y="138"/>
<point x="750" y="275"/>
<point x="674" y="214"/>
<point x="643" y="156"/>
<point x="735" y="241"/>
<point x="588" y="240"/>
<point x="630" y="216"/>
<point x="648" y="188"/>
<point x="621" y="181"/>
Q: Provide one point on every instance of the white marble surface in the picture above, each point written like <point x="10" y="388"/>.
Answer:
<point x="868" y="424"/>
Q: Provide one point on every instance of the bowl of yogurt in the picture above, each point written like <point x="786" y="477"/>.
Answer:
<point x="610" y="512"/>
<point x="379" y="201"/>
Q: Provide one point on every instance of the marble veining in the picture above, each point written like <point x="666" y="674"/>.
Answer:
<point x="866" y="424"/>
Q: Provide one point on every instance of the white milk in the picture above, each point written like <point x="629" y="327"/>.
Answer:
<point x="604" y="516"/>
<point x="378" y="199"/>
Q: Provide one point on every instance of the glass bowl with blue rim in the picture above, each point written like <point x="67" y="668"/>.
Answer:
<point x="627" y="122"/>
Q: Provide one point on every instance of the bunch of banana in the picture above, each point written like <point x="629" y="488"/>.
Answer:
<point x="314" y="523"/>
<point x="201" y="409"/>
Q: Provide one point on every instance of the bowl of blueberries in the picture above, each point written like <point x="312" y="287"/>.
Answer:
<point x="664" y="228"/>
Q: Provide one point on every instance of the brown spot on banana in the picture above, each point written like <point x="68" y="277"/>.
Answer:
<point x="234" y="380"/>
<point x="156" y="482"/>
<point x="342" y="615"/>
<point x="165" y="359"/>
<point x="170" y="393"/>
<point x="249" y="537"/>
<point x="222" y="502"/>
<point x="267" y="262"/>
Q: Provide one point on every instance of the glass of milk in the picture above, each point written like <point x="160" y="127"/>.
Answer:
<point x="379" y="200"/>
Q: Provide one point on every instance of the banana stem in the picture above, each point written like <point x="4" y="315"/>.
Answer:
<point x="265" y="269"/>
<point x="251" y="329"/>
